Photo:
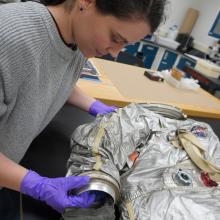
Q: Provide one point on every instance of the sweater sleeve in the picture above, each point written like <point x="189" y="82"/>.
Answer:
<point x="22" y="38"/>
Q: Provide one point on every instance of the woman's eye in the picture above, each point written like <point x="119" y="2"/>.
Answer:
<point x="115" y="40"/>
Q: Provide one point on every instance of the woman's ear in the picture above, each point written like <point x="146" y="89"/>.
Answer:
<point x="85" y="4"/>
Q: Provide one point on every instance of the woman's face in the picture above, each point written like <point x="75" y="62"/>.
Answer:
<point x="97" y="35"/>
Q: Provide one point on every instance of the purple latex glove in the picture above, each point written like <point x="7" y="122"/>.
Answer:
<point x="98" y="107"/>
<point x="54" y="191"/>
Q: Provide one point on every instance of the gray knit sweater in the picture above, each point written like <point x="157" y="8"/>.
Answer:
<point x="37" y="73"/>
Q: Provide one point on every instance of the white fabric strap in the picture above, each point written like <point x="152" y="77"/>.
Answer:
<point x="196" y="152"/>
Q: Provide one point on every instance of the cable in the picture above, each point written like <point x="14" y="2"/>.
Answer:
<point x="21" y="208"/>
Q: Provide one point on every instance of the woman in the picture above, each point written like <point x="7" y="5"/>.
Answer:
<point x="43" y="49"/>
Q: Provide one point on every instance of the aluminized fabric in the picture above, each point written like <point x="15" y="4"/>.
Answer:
<point x="150" y="188"/>
<point x="121" y="137"/>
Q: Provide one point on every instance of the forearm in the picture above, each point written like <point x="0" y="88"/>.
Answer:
<point x="80" y="99"/>
<point x="11" y="174"/>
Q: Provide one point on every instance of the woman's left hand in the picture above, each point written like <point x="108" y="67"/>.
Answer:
<point x="98" y="107"/>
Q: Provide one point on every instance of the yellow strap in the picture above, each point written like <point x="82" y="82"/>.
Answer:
<point x="175" y="143"/>
<point x="190" y="139"/>
<point x="131" y="214"/>
<point x="95" y="148"/>
<point x="196" y="142"/>
<point x="98" y="163"/>
<point x="196" y="152"/>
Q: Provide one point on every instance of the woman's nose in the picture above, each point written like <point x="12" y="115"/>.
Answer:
<point x="114" y="51"/>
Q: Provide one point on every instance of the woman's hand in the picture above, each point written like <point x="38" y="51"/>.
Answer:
<point x="54" y="191"/>
<point x="98" y="107"/>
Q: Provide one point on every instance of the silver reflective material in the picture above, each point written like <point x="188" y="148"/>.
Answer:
<point x="100" y="181"/>
<point x="166" y="110"/>
<point x="8" y="1"/>
<point x="160" y="182"/>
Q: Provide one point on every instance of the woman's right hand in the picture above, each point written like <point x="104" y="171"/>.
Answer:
<point x="54" y="191"/>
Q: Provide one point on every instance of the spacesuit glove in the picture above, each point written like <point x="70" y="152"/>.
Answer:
<point x="54" y="191"/>
<point x="98" y="107"/>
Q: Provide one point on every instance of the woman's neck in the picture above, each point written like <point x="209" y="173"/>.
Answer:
<point x="63" y="21"/>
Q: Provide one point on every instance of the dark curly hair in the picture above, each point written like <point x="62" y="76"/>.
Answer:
<point x="152" y="11"/>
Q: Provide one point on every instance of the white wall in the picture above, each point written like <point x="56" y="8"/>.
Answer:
<point x="175" y="13"/>
<point x="208" y="10"/>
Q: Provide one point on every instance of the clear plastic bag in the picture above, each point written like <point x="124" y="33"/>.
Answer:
<point x="184" y="83"/>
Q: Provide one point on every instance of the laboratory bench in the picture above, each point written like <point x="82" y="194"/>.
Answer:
<point x="121" y="84"/>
